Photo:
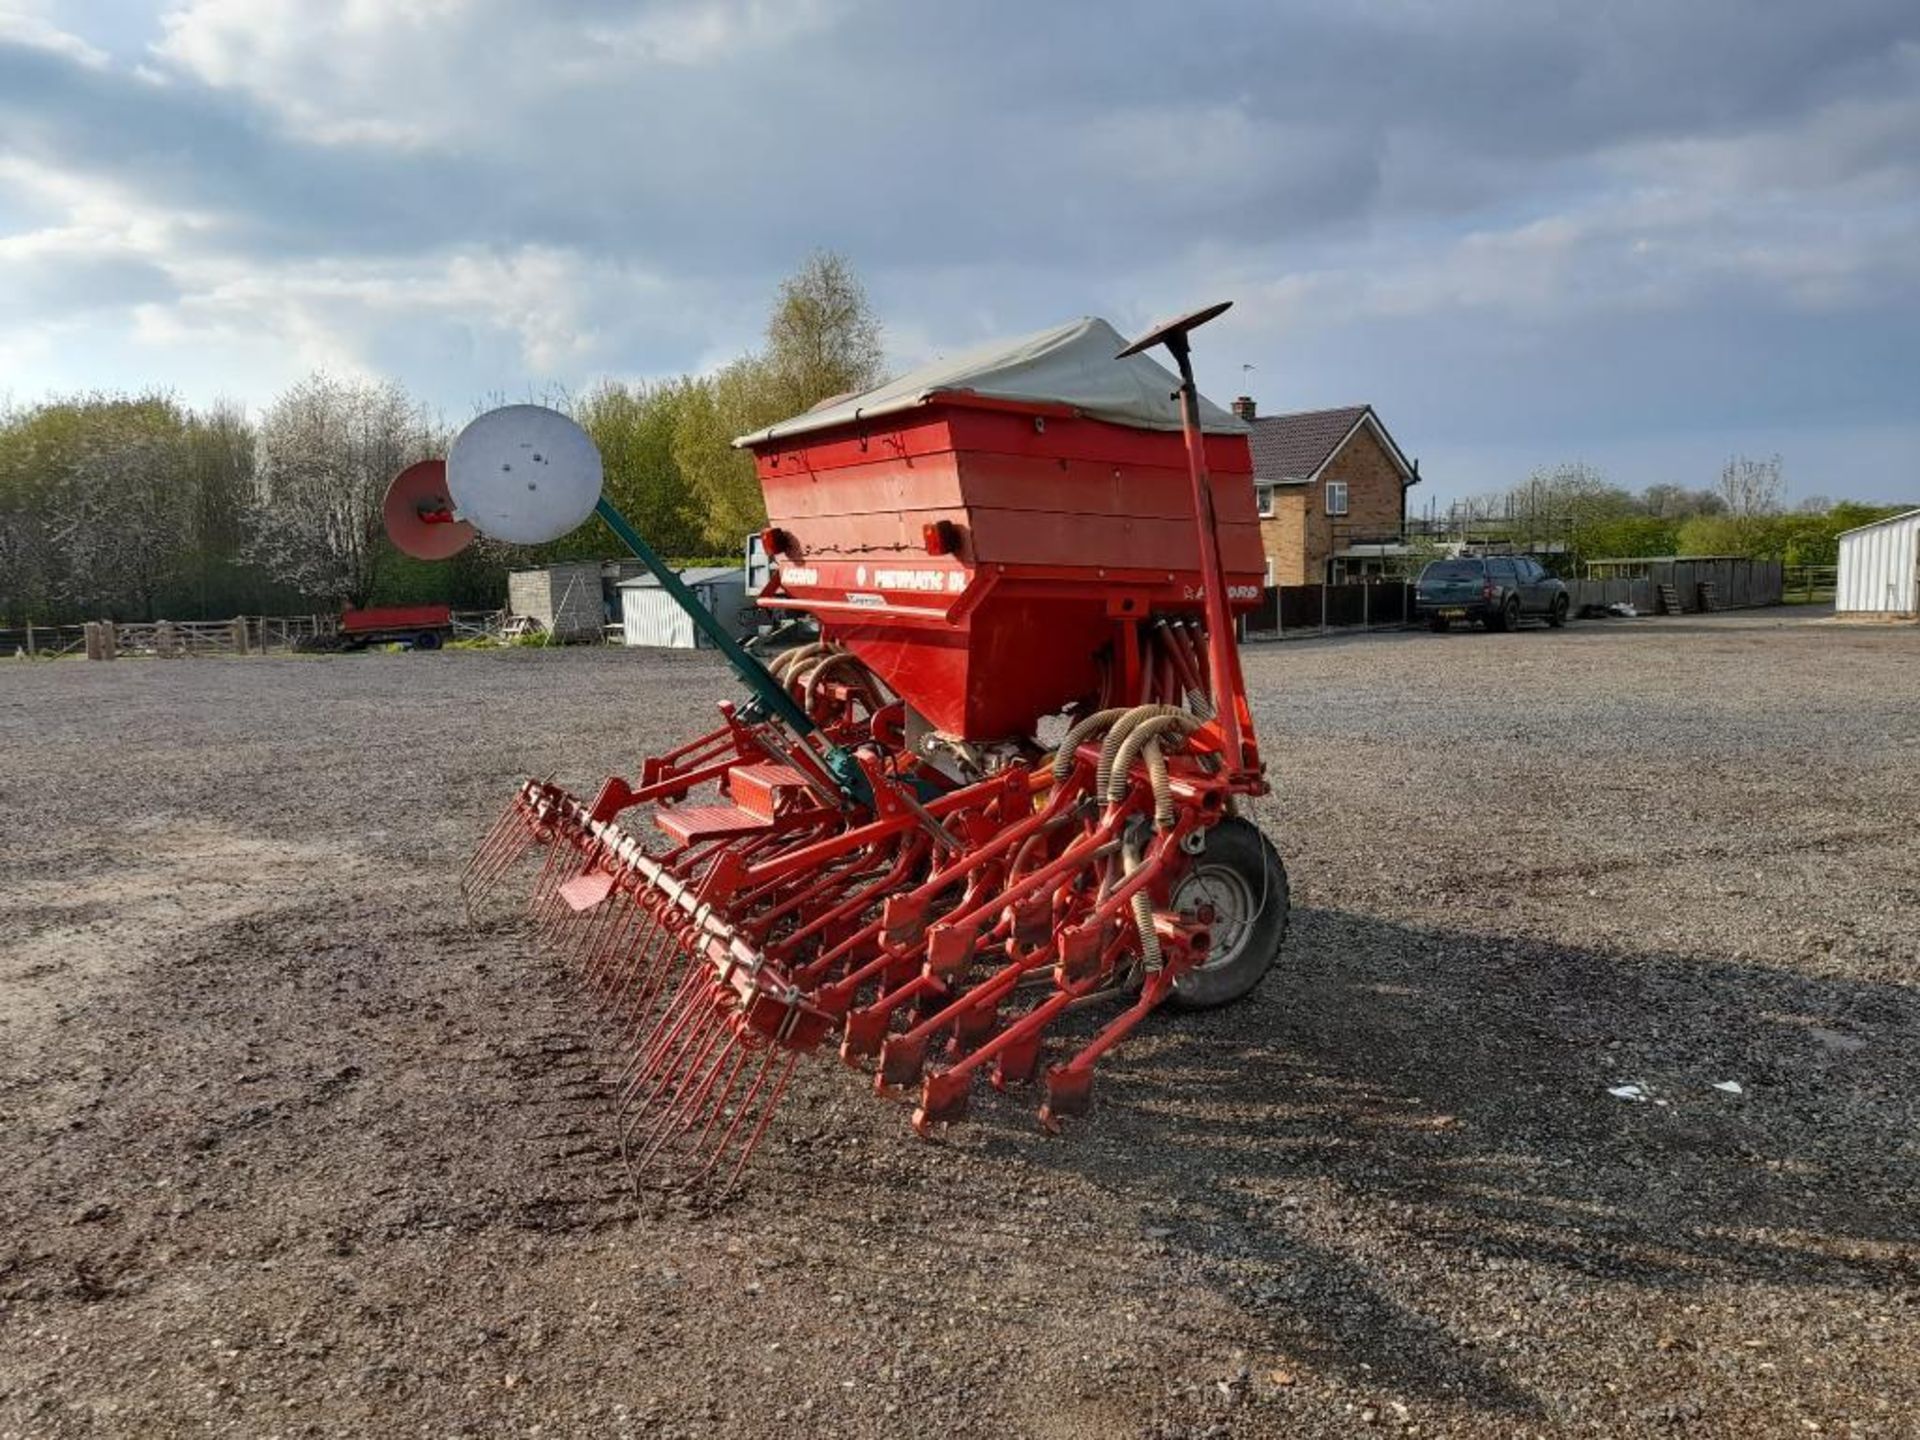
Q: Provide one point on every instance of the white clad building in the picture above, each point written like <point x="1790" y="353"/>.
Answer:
<point x="1880" y="569"/>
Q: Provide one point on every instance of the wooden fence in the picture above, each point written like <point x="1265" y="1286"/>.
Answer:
<point x="1810" y="584"/>
<point x="42" y="641"/>
<point x="184" y="639"/>
<point x="1693" y="586"/>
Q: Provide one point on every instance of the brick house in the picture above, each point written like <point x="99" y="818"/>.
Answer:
<point x="1332" y="493"/>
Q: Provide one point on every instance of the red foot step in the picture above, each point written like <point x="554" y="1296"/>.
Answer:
<point x="687" y="823"/>
<point x="761" y="788"/>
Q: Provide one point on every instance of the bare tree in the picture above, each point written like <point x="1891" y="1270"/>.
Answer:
<point x="1751" y="488"/>
<point x="327" y="450"/>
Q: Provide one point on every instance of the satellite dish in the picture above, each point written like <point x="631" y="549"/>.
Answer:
<point x="419" y="513"/>
<point x="524" y="474"/>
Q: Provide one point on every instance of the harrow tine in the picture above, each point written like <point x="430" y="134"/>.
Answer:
<point x="600" y="922"/>
<point x="741" y="1054"/>
<point x="648" y="1053"/>
<point x="500" y="835"/>
<point x="512" y="835"/>
<point x="556" y="859"/>
<point x="701" y="1024"/>
<point x="629" y="918"/>
<point x="624" y="989"/>
<point x="771" y="1104"/>
<point x="740" y="1113"/>
<point x="689" y="1101"/>
<point x="651" y="971"/>
<point x="551" y="907"/>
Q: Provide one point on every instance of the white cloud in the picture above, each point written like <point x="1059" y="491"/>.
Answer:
<point x="30" y="25"/>
<point x="701" y="32"/>
<point x="490" y="194"/>
<point x="361" y="72"/>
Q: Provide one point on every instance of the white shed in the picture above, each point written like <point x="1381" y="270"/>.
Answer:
<point x="1880" y="569"/>
<point x="650" y="616"/>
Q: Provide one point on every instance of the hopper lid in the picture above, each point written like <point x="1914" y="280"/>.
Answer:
<point x="1071" y="364"/>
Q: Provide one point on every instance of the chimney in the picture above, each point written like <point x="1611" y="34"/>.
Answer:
<point x="1243" y="407"/>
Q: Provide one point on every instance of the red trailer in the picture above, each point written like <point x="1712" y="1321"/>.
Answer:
<point x="418" y="627"/>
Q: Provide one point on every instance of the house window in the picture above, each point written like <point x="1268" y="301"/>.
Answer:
<point x="1336" y="497"/>
<point x="1263" y="497"/>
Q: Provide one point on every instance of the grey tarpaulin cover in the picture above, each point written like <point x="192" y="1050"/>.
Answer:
<point x="1070" y="364"/>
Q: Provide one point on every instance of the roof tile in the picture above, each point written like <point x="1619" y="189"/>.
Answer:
<point x="1289" y="448"/>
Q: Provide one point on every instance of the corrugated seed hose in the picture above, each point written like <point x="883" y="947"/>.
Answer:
<point x="1130" y="861"/>
<point x="1063" y="757"/>
<point x="1133" y="746"/>
<point x="1123" y="727"/>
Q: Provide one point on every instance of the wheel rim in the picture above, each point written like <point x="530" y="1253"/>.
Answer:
<point x="1234" y="909"/>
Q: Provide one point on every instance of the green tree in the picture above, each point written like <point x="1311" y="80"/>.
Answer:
<point x="822" y="338"/>
<point x="1627" y="535"/>
<point x="633" y="426"/>
<point x="822" y="341"/>
<point x="1677" y="502"/>
<point x="93" y="513"/>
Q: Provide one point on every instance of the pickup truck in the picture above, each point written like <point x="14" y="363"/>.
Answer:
<point x="1496" y="590"/>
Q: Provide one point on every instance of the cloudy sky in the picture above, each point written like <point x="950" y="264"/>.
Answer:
<point x="1646" y="235"/>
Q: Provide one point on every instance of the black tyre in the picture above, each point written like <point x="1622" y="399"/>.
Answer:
<point x="1557" y="615"/>
<point x="1240" y="875"/>
<point x="1438" y="624"/>
<point x="1508" y="616"/>
<point x="427" y="640"/>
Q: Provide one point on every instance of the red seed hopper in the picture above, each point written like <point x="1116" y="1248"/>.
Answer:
<point x="1000" y="787"/>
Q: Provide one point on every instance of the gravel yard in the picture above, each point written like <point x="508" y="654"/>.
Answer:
<point x="287" y="1147"/>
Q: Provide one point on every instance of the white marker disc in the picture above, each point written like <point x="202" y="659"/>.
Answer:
<point x="524" y="474"/>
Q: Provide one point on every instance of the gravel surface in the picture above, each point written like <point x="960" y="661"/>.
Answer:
<point x="289" y="1148"/>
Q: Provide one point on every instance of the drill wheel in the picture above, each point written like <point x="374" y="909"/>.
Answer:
<point x="1238" y="873"/>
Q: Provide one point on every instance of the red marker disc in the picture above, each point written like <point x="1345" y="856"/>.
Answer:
<point x="419" y="513"/>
